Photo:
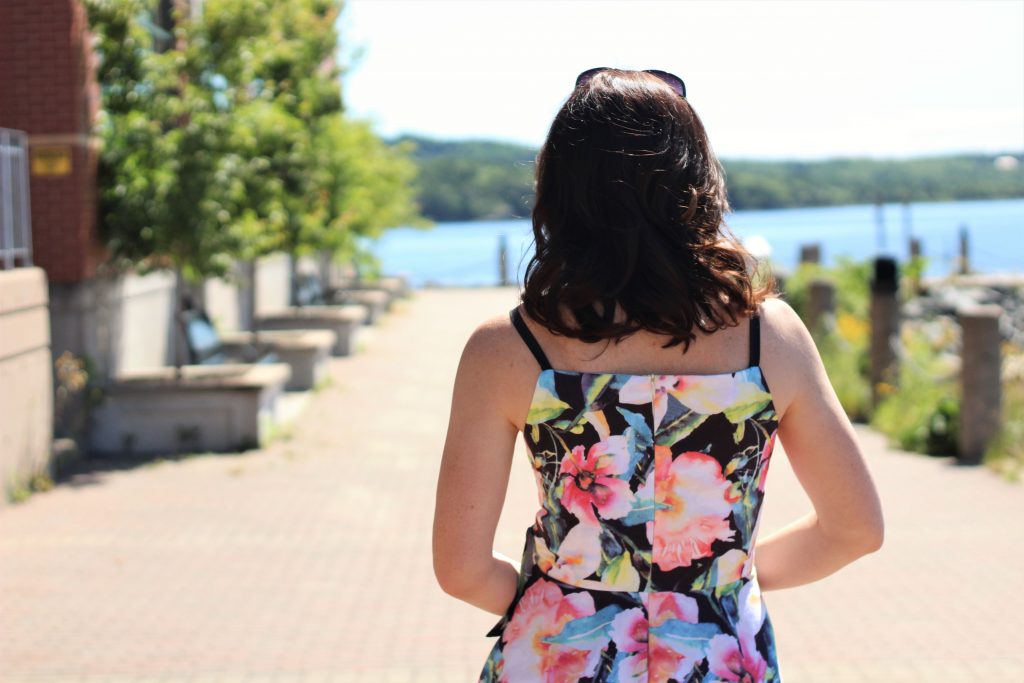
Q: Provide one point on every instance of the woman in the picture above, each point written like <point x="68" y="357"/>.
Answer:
<point x="650" y="453"/>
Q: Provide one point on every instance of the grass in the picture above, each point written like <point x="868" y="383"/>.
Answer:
<point x="922" y="411"/>
<point x="1005" y="454"/>
<point x="38" y="482"/>
<point x="843" y="339"/>
<point x="844" y="352"/>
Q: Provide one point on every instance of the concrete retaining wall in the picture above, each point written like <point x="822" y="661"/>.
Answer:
<point x="26" y="378"/>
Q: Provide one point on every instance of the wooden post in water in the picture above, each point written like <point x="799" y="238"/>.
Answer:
<point x="880" y="224"/>
<point x="964" y="264"/>
<point x="915" y="247"/>
<point x="908" y="224"/>
<point x="916" y="253"/>
<point x="810" y="253"/>
<point x="821" y="303"/>
<point x="980" y="371"/>
<point x="503" y="260"/>
<point x="885" y="325"/>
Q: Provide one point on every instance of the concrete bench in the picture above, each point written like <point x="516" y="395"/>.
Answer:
<point x="376" y="301"/>
<point x="216" y="408"/>
<point x="396" y="287"/>
<point x="309" y="291"/>
<point x="305" y="351"/>
<point x="344" y="321"/>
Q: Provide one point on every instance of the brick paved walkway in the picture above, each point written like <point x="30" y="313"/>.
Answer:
<point x="310" y="560"/>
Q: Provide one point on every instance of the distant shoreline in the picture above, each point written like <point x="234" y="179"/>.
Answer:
<point x="481" y="180"/>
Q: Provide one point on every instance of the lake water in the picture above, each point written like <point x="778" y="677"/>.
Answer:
<point x="466" y="253"/>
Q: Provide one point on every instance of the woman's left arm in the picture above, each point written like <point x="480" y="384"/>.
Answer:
<point x="473" y="479"/>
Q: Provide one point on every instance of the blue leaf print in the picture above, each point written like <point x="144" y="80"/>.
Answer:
<point x="587" y="633"/>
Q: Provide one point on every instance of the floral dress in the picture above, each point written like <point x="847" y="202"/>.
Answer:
<point x="640" y="565"/>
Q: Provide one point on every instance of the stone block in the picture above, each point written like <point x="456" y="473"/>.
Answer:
<point x="207" y="408"/>
<point x="344" y="321"/>
<point x="305" y="351"/>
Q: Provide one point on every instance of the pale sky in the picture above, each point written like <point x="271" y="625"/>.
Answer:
<point x="802" y="79"/>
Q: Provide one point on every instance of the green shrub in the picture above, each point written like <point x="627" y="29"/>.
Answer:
<point x="1006" y="453"/>
<point x="922" y="412"/>
<point x="852" y="280"/>
<point x="843" y="339"/>
<point x="845" y="358"/>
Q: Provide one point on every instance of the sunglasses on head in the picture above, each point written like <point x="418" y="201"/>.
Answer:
<point x="672" y="80"/>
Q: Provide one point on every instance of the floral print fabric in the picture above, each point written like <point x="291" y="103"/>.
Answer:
<point x="639" y="565"/>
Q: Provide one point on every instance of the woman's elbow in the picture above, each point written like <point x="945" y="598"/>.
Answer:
<point x="858" y="540"/>
<point x="455" y="578"/>
<point x="447" y="579"/>
<point x="872" y="538"/>
<point x="875" y="539"/>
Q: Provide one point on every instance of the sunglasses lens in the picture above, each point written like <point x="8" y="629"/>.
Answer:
<point x="588" y="74"/>
<point x="671" y="79"/>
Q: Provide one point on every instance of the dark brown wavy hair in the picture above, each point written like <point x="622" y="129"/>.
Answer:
<point x="629" y="210"/>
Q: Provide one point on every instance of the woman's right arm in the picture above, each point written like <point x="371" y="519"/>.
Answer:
<point x="822" y="448"/>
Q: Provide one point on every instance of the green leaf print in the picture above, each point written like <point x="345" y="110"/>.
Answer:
<point x="704" y="582"/>
<point x="750" y="401"/>
<point x="621" y="575"/>
<point x="597" y="384"/>
<point x="738" y="436"/>
<point x="546" y="404"/>
<point x="742" y="411"/>
<point x="680" y="428"/>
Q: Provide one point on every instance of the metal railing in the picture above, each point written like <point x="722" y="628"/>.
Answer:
<point x="15" y="221"/>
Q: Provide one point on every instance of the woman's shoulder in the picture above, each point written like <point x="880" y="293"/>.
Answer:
<point x="499" y="367"/>
<point x="789" y="357"/>
<point x="492" y="338"/>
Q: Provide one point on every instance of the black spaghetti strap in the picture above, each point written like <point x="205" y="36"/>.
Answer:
<point x="531" y="341"/>
<point x="755" y="340"/>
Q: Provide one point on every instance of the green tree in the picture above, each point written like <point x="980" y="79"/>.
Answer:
<point x="233" y="143"/>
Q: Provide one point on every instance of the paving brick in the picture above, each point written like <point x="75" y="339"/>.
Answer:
<point x="310" y="560"/>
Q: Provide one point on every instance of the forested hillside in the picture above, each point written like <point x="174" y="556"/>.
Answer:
<point x="479" y="179"/>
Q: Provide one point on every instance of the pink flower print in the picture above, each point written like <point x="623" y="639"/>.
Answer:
<point x="629" y="630"/>
<point x="579" y="554"/>
<point x="738" y="659"/>
<point x="590" y="481"/>
<point x="751" y="610"/>
<point x="697" y="495"/>
<point x="706" y="395"/>
<point x="645" y="389"/>
<point x="629" y="633"/>
<point x="645" y="498"/>
<point x="667" y="662"/>
<point x="730" y="567"/>
<point x="637" y="390"/>
<point x="735" y="660"/>
<point x="763" y="462"/>
<point x="541" y="612"/>
<point x="738" y="396"/>
<point x="665" y="606"/>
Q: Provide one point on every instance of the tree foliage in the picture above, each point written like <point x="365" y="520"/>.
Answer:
<point x="472" y="180"/>
<point x="233" y="143"/>
<point x="468" y="180"/>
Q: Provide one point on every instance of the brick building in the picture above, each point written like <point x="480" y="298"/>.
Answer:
<point x="48" y="89"/>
